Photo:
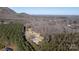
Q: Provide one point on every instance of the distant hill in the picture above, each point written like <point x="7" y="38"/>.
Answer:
<point x="7" y="13"/>
<point x="6" y="10"/>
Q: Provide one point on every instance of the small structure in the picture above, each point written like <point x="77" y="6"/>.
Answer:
<point x="69" y="25"/>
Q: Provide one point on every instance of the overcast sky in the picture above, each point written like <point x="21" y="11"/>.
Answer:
<point x="47" y="10"/>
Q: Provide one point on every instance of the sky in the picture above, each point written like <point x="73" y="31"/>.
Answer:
<point x="47" y="10"/>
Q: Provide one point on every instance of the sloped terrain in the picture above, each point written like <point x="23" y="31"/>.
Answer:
<point x="12" y="36"/>
<point x="60" y="33"/>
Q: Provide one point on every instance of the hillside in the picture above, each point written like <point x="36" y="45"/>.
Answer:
<point x="12" y="36"/>
<point x="47" y="32"/>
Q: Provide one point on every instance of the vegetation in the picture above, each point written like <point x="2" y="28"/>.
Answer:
<point x="62" y="42"/>
<point x="14" y="34"/>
